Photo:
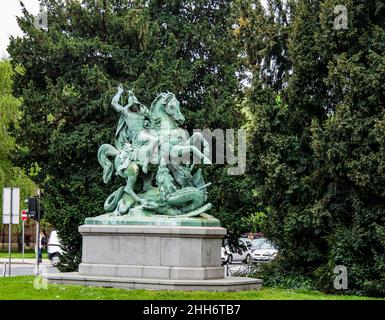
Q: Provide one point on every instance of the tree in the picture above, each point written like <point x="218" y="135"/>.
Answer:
<point x="319" y="148"/>
<point x="72" y="70"/>
<point x="9" y="119"/>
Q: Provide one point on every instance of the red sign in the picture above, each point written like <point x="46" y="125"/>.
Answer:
<point x="24" y="215"/>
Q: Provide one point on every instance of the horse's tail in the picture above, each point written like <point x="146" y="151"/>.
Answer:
<point x="104" y="152"/>
<point x="112" y="201"/>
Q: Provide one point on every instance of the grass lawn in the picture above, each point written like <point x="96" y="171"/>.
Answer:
<point x="22" y="288"/>
<point x="28" y="254"/>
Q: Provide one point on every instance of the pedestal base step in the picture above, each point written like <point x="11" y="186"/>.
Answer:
<point x="225" y="284"/>
<point x="150" y="272"/>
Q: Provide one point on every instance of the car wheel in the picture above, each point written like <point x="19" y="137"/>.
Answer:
<point x="55" y="260"/>
<point x="230" y="259"/>
<point x="247" y="259"/>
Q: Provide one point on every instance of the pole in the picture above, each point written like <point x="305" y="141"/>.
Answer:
<point x="37" y="247"/>
<point x="37" y="234"/>
<point x="10" y="236"/>
<point x="22" y="247"/>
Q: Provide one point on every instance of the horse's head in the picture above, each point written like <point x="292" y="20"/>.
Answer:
<point x="173" y="108"/>
<point x="170" y="105"/>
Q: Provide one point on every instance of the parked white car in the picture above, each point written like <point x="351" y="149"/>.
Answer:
<point x="256" y="243"/>
<point x="242" y="254"/>
<point x="54" y="248"/>
<point x="263" y="250"/>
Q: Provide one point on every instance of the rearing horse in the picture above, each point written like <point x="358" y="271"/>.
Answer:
<point x="174" y="144"/>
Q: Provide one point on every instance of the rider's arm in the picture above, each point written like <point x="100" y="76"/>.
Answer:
<point x="115" y="100"/>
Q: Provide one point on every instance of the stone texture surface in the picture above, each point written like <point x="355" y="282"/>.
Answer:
<point x="148" y="251"/>
<point x="152" y="272"/>
<point x="149" y="257"/>
<point x="226" y="284"/>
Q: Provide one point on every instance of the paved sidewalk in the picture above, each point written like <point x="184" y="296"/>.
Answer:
<point x="26" y="269"/>
<point x="20" y="261"/>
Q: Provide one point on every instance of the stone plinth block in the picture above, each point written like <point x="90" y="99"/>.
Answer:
<point x="152" y="252"/>
<point x="153" y="257"/>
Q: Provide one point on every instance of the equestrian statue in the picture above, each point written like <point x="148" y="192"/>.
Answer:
<point x="156" y="158"/>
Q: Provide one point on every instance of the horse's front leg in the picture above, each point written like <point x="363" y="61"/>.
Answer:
<point x="180" y="151"/>
<point x="198" y="136"/>
<point x="151" y="149"/>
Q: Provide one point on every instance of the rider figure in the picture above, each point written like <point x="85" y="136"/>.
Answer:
<point x="131" y="126"/>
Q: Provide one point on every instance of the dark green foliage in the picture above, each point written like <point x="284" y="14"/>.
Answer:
<point x="320" y="148"/>
<point x="72" y="71"/>
<point x="314" y="106"/>
<point x="275" y="275"/>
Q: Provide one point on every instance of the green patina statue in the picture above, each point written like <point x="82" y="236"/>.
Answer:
<point x="156" y="159"/>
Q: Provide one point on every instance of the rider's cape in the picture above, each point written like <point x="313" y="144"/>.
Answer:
<point x="120" y="126"/>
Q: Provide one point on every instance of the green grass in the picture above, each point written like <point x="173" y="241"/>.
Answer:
<point x="28" y="254"/>
<point x="22" y="288"/>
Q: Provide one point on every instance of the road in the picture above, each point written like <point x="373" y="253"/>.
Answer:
<point x="26" y="269"/>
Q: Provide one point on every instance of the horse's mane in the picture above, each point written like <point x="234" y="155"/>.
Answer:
<point x="168" y="95"/>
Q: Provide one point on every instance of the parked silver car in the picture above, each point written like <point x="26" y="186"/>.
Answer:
<point x="242" y="254"/>
<point x="262" y="250"/>
<point x="54" y="248"/>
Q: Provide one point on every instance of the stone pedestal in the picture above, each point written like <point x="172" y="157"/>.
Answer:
<point x="152" y="252"/>
<point x="170" y="257"/>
